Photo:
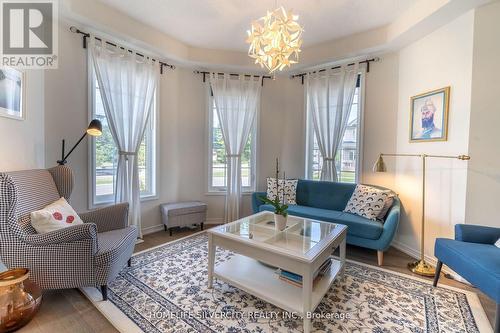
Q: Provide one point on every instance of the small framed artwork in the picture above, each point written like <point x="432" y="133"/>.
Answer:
<point x="429" y="116"/>
<point x="11" y="93"/>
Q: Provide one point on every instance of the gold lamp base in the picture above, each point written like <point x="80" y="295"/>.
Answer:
<point x="422" y="268"/>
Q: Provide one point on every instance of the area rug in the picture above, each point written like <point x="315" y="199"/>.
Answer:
<point x="165" y="290"/>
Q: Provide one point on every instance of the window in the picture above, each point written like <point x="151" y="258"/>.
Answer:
<point x="104" y="155"/>
<point x="347" y="160"/>
<point x="217" y="156"/>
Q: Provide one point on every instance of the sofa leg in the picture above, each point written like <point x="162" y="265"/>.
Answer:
<point x="380" y="258"/>
<point x="497" y="320"/>
<point x="438" y="272"/>
<point x="201" y="225"/>
<point x="129" y="262"/>
<point x="165" y="227"/>
<point x="170" y="231"/>
<point x="104" y="292"/>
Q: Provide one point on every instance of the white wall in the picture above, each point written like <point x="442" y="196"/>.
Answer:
<point x="483" y="181"/>
<point x="66" y="102"/>
<point x="183" y="135"/>
<point x="22" y="141"/>
<point x="66" y="114"/>
<point x="461" y="55"/>
<point x="281" y="129"/>
<point x="183" y="145"/>
<point x="443" y="58"/>
<point x="380" y="117"/>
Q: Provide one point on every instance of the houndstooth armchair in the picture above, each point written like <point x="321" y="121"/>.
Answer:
<point x="89" y="254"/>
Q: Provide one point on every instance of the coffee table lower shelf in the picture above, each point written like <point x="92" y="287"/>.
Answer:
<point x="261" y="281"/>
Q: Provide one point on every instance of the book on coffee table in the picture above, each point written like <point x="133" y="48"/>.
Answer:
<point x="296" y="279"/>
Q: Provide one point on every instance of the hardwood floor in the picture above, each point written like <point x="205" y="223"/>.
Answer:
<point x="70" y="311"/>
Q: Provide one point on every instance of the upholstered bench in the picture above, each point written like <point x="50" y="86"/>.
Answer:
<point x="183" y="214"/>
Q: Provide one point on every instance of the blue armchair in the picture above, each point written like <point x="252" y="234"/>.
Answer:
<point x="473" y="255"/>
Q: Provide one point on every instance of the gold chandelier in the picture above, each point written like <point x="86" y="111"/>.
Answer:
<point x="275" y="40"/>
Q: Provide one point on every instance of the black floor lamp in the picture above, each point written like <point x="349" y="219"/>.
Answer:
<point x="94" y="129"/>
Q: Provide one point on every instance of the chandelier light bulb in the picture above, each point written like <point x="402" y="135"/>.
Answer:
<point x="275" y="40"/>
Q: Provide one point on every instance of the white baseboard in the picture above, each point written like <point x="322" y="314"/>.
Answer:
<point x="215" y="220"/>
<point x="414" y="253"/>
<point x="159" y="227"/>
<point x="152" y="229"/>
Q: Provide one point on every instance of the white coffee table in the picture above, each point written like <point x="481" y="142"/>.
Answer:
<point x="254" y="238"/>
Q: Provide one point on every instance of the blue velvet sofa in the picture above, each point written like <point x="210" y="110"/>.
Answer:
<point x="474" y="256"/>
<point x="326" y="201"/>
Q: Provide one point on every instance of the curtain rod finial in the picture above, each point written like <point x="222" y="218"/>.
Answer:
<point x="73" y="29"/>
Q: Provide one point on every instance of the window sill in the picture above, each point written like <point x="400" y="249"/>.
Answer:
<point x="223" y="193"/>
<point x="112" y="202"/>
<point x="150" y="197"/>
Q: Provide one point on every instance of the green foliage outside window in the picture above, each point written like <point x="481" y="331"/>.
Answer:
<point x="105" y="155"/>
<point x="105" y="146"/>
<point x="220" y="149"/>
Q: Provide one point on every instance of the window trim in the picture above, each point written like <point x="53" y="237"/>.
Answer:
<point x="92" y="204"/>
<point x="211" y="190"/>
<point x="359" y="137"/>
<point x="153" y="167"/>
<point x="361" y="128"/>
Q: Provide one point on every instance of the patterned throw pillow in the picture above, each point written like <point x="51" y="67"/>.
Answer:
<point x="367" y="201"/>
<point x="497" y="244"/>
<point x="55" y="216"/>
<point x="387" y="205"/>
<point x="289" y="187"/>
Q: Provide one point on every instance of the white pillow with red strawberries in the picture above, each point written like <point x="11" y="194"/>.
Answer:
<point x="55" y="216"/>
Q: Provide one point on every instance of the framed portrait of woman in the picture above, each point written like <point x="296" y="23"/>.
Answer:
<point x="12" y="93"/>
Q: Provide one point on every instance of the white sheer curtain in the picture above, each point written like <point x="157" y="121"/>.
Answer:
<point x="329" y="99"/>
<point x="237" y="101"/>
<point x="128" y="84"/>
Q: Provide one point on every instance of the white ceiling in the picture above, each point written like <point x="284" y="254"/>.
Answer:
<point x="222" y="24"/>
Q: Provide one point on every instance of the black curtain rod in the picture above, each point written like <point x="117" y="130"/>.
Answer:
<point x="367" y="62"/>
<point x="235" y="74"/>
<point x="87" y="35"/>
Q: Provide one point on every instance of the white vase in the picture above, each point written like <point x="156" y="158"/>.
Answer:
<point x="279" y="222"/>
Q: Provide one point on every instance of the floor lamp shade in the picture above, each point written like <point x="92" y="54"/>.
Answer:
<point x="94" y="129"/>
<point x="379" y="165"/>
